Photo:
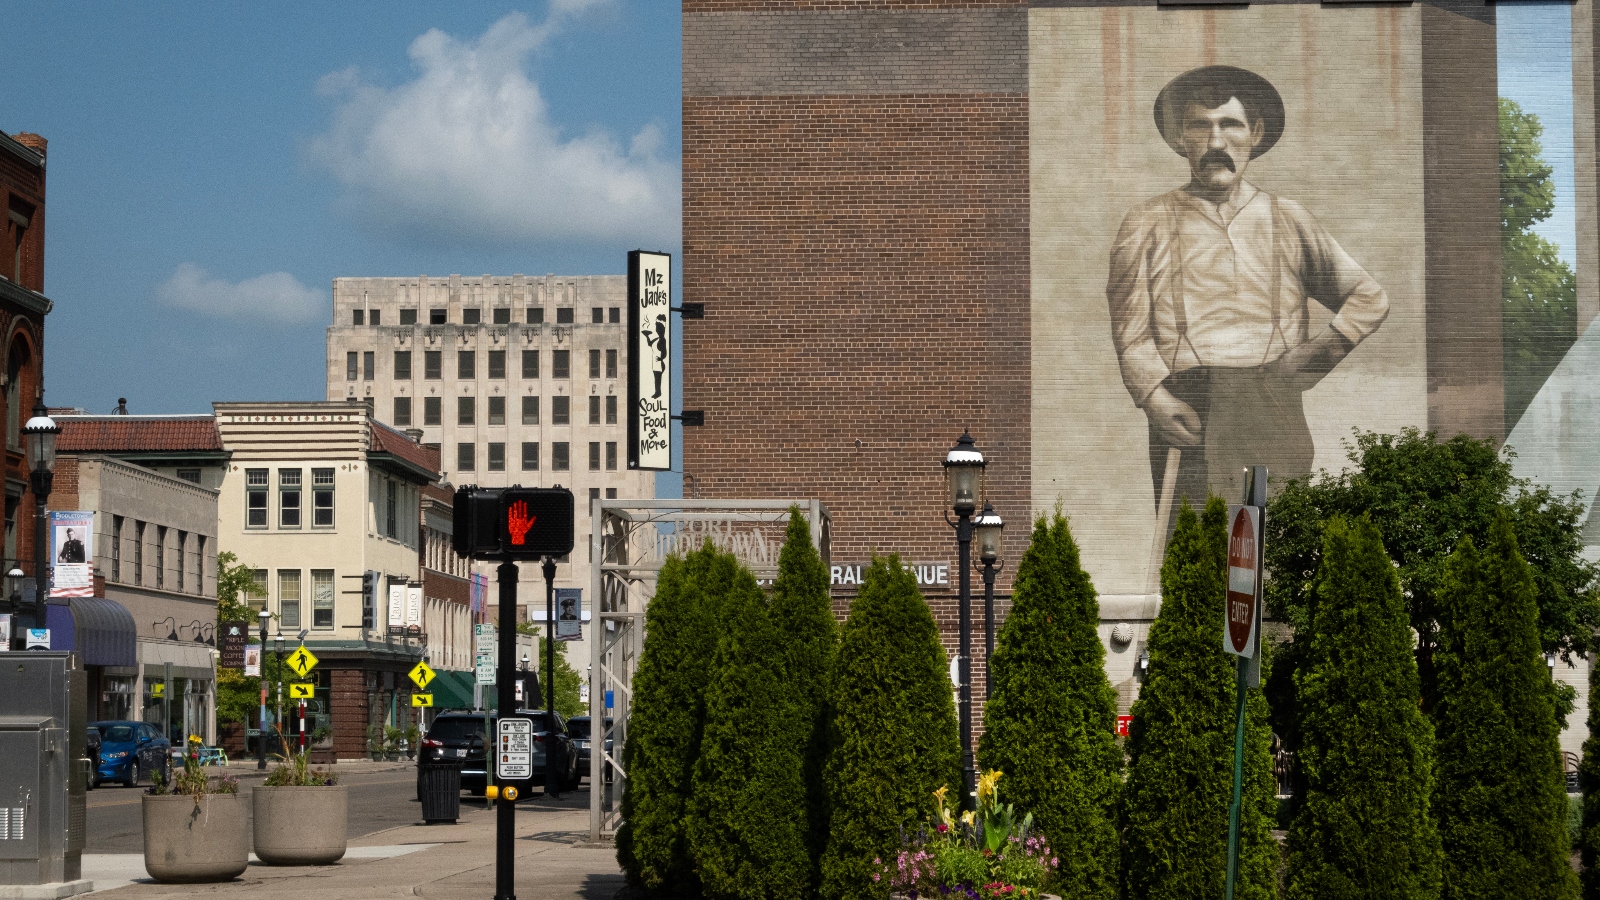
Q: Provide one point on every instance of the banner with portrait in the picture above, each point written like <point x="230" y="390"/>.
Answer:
<point x="71" y="554"/>
<point x="569" y="614"/>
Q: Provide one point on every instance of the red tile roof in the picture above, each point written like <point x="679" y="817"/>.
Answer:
<point x="83" y="434"/>
<point x="387" y="440"/>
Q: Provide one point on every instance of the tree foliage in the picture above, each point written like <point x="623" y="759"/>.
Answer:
<point x="893" y="738"/>
<point x="1501" y="796"/>
<point x="569" y="684"/>
<point x="1050" y="720"/>
<point x="1363" y="829"/>
<point x="1180" y="773"/>
<point x="747" y="825"/>
<point x="1540" y="290"/>
<point x="664" y="731"/>
<point x="238" y="695"/>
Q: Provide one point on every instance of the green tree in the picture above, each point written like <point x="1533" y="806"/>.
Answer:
<point x="1501" y="796"/>
<point x="1589" y="783"/>
<point x="664" y="730"/>
<point x="1363" y="830"/>
<point x="802" y="611"/>
<point x="1425" y="495"/>
<point x="1050" y="721"/>
<point x="238" y="696"/>
<point x="1180" y="746"/>
<point x="568" y="682"/>
<point x="893" y="731"/>
<point x="747" y="823"/>
<point x="1540" y="291"/>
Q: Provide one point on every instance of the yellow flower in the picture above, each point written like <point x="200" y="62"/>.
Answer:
<point x="939" y="794"/>
<point x="967" y="818"/>
<point x="195" y="739"/>
<point x="986" y="785"/>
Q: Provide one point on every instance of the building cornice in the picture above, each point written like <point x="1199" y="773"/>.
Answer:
<point x="22" y="151"/>
<point x="31" y="301"/>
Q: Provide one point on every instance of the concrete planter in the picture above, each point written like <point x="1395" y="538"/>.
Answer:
<point x="300" y="826"/>
<point x="187" y="841"/>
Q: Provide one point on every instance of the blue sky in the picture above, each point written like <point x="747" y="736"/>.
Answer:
<point x="212" y="167"/>
<point x="1535" y="69"/>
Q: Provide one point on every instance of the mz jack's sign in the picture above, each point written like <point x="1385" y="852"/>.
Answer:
<point x="1244" y="581"/>
<point x="649" y="360"/>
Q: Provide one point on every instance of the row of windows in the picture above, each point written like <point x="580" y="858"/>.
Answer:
<point x="362" y="366"/>
<point x="467" y="410"/>
<point x="291" y="494"/>
<point x="560" y="456"/>
<point x="500" y="315"/>
<point x="292" y="594"/>
<point x="181" y="558"/>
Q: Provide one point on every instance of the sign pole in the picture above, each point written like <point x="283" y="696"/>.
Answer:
<point x="1246" y="663"/>
<point x="506" y="812"/>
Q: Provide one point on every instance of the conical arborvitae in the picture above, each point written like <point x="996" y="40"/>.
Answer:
<point x="1501" y="796"/>
<point x="1050" y="721"/>
<point x="802" y="611"/>
<point x="1589" y="783"/>
<point x="1364" y="830"/>
<point x="893" y="730"/>
<point x="664" y="729"/>
<point x="1180" y="773"/>
<point x="748" y="825"/>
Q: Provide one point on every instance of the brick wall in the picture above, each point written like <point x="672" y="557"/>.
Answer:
<point x="349" y="707"/>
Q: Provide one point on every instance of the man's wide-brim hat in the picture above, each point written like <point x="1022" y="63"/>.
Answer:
<point x="1211" y="86"/>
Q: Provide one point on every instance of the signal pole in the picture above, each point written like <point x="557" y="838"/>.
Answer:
<point x="505" y="823"/>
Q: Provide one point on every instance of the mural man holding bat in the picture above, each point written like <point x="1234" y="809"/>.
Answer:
<point x="1209" y="295"/>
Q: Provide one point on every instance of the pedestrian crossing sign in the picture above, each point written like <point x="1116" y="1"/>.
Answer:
<point x="302" y="661"/>
<point x="421" y="675"/>
<point x="303" y="690"/>
<point x="421" y="699"/>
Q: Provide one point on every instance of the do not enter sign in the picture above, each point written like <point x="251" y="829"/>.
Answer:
<point x="1244" y="575"/>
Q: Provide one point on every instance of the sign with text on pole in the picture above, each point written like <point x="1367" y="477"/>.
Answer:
<point x="649" y="360"/>
<point x="1244" y="577"/>
<point x="515" y="749"/>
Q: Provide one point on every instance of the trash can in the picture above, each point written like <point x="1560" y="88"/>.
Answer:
<point x="439" y="789"/>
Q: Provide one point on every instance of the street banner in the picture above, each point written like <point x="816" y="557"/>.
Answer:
<point x="72" y="554"/>
<point x="569" y="614"/>
<point x="252" y="660"/>
<point x="414" y="605"/>
<point x="397" y="605"/>
<point x="649" y="360"/>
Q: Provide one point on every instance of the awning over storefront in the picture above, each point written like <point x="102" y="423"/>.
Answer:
<point x="453" y="690"/>
<point x="100" y="629"/>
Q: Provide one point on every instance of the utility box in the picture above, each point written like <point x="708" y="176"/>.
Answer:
<point x="43" y="714"/>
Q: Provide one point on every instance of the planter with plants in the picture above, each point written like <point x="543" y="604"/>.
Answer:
<point x="409" y="742"/>
<point x="989" y="855"/>
<point x="392" y="737"/>
<point x="375" y="742"/>
<point x="300" y="815"/>
<point x="195" y="827"/>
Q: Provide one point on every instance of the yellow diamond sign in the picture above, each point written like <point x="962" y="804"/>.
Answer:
<point x="302" y="661"/>
<point x="302" y="691"/>
<point x="421" y="675"/>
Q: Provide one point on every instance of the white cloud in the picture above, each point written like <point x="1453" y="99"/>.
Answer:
<point x="468" y="149"/>
<point x="276" y="297"/>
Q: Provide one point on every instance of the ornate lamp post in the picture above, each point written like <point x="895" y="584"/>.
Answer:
<point x="39" y="440"/>
<point x="988" y="528"/>
<point x="963" y="472"/>
<point x="261" y="742"/>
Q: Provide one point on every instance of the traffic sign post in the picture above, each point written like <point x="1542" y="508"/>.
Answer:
<point x="302" y="661"/>
<point x="1241" y="632"/>
<point x="420" y="675"/>
<point x="418" y="700"/>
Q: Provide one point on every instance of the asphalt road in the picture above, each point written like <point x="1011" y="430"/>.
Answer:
<point x="378" y="801"/>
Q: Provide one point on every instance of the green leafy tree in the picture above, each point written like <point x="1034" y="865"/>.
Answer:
<point x="1051" y="716"/>
<point x="802" y="611"/>
<point x="1425" y="495"/>
<point x="747" y="823"/>
<point x="1501" y="796"/>
<point x="664" y="731"/>
<point x="1363" y="830"/>
<point x="1180" y="746"/>
<point x="1540" y="320"/>
<point x="893" y="730"/>
<point x="238" y="696"/>
<point x="1589" y="783"/>
<point x="569" y="683"/>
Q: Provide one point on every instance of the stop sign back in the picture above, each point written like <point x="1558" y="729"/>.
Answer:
<point x="1244" y="571"/>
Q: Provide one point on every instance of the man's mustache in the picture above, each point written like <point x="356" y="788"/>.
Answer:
<point x="1218" y="157"/>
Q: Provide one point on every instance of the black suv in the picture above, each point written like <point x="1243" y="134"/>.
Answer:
<point x="459" y="736"/>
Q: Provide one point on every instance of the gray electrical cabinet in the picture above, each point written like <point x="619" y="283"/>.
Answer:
<point x="43" y="714"/>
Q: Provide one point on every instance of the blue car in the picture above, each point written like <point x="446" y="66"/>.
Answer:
<point x="130" y="752"/>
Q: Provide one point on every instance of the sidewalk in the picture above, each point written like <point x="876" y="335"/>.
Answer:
<point x="440" y="862"/>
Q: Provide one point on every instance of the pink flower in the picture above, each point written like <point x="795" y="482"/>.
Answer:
<point x="876" y="861"/>
<point x="1054" y="861"/>
<point x="876" y="876"/>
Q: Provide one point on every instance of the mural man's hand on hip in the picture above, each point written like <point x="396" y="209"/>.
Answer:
<point x="1176" y="420"/>
<point x="1306" y="364"/>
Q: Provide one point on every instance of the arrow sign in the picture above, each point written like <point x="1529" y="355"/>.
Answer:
<point x="302" y="661"/>
<point x="1244" y="570"/>
<point x="303" y="690"/>
<point x="421" y="699"/>
<point x="420" y="675"/>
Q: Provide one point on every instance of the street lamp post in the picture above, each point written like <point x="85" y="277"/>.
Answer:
<point x="15" y="608"/>
<point x="261" y="740"/>
<point x="988" y="528"/>
<point x="39" y="439"/>
<point x="963" y="469"/>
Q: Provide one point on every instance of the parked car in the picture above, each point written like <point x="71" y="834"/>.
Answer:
<point x="130" y="751"/>
<point x="91" y="752"/>
<point x="578" y="728"/>
<point x="460" y="736"/>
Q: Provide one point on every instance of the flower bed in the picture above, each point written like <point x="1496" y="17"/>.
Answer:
<point x="982" y="855"/>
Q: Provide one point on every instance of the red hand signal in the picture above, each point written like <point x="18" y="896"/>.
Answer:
<point x="518" y="522"/>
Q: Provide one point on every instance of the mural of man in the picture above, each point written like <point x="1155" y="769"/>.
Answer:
<point x="1209" y="294"/>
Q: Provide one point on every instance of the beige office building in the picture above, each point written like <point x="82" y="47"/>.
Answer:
<point x="514" y="379"/>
